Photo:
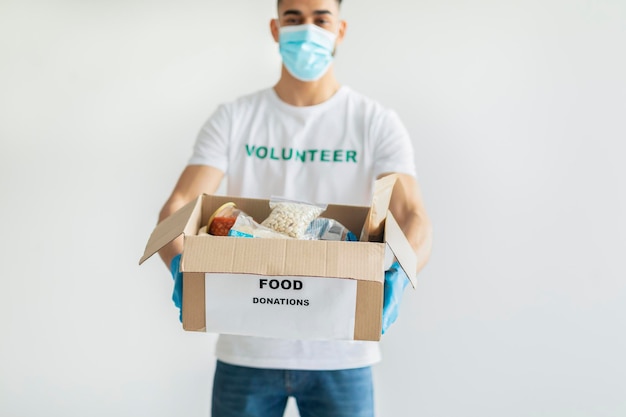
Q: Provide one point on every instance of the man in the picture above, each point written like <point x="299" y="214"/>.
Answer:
<point x="307" y="138"/>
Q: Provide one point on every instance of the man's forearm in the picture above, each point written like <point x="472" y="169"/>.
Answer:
<point x="418" y="230"/>
<point x="408" y="208"/>
<point x="194" y="180"/>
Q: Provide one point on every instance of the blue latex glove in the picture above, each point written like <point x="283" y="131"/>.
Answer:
<point x="177" y="294"/>
<point x="395" y="284"/>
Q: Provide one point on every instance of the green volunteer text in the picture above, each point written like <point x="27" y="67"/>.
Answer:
<point x="301" y="155"/>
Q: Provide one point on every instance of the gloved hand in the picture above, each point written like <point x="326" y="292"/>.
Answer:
<point x="177" y="294"/>
<point x="395" y="284"/>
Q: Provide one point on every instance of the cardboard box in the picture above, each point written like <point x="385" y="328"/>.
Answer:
<point x="286" y="288"/>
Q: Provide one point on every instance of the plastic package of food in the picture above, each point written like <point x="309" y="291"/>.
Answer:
<point x="245" y="226"/>
<point x="329" y="229"/>
<point x="292" y="218"/>
<point x="223" y="219"/>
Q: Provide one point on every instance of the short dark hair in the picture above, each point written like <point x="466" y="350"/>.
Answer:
<point x="338" y="2"/>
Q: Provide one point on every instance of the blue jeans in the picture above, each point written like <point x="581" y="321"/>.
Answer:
<point x="240" y="391"/>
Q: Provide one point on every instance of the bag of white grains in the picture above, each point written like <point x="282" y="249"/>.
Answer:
<point x="292" y="218"/>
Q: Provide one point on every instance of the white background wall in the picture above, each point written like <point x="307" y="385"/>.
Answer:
<point x="517" y="111"/>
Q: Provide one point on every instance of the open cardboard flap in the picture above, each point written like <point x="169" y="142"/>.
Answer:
<point x="374" y="224"/>
<point x="401" y="248"/>
<point x="183" y="221"/>
<point x="381" y="226"/>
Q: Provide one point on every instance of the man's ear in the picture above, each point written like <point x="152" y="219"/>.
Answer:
<point x="343" y="25"/>
<point x="274" y="29"/>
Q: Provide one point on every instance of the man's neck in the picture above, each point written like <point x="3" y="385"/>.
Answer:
<point x="298" y="93"/>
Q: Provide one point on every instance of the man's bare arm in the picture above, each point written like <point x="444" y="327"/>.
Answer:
<point x="195" y="180"/>
<point x="407" y="206"/>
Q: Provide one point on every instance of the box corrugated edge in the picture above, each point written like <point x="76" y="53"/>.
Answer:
<point x="194" y="318"/>
<point x="369" y="305"/>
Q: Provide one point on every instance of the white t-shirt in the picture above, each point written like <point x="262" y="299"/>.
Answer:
<point x="328" y="153"/>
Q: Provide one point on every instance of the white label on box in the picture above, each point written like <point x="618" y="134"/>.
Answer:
<point x="280" y="306"/>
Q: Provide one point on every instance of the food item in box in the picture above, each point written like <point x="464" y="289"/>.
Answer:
<point x="223" y="219"/>
<point x="291" y="217"/>
<point x="329" y="229"/>
<point x="245" y="226"/>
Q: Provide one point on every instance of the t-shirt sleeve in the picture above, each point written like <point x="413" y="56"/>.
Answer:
<point x="211" y="147"/>
<point x="393" y="148"/>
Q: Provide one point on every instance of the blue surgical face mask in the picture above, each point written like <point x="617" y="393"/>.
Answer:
<point x="307" y="50"/>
